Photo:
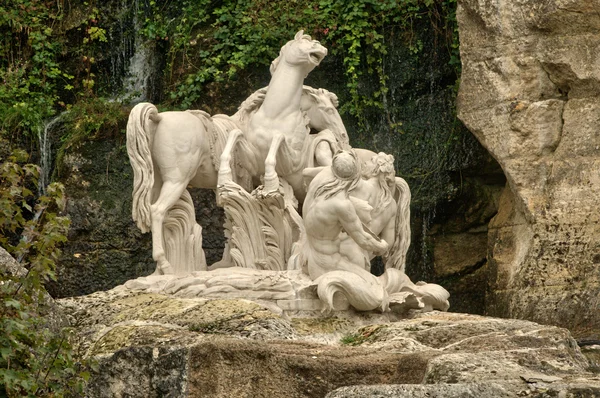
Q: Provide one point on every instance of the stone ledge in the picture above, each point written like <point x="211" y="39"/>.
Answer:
<point x="147" y="344"/>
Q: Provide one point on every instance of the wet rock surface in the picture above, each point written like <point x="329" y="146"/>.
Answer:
<point x="147" y="344"/>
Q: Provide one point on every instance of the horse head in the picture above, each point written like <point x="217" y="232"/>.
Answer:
<point x="321" y="107"/>
<point x="300" y="52"/>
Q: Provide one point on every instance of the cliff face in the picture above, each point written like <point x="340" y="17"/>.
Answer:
<point x="530" y="93"/>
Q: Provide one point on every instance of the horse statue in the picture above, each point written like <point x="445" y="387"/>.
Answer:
<point x="320" y="106"/>
<point x="171" y="150"/>
<point x="278" y="132"/>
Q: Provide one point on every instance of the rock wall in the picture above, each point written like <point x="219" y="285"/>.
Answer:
<point x="530" y="93"/>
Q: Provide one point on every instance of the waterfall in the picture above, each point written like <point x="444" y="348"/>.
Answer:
<point x="136" y="84"/>
<point x="45" y="144"/>
<point x="135" y="61"/>
<point x="130" y="63"/>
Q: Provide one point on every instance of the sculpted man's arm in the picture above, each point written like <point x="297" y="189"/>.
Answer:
<point x="389" y="231"/>
<point x="352" y="225"/>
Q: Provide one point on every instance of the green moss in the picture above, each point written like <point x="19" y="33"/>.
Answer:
<point x="308" y="326"/>
<point x="150" y="307"/>
<point x="365" y="334"/>
<point x="132" y="335"/>
<point x="224" y="316"/>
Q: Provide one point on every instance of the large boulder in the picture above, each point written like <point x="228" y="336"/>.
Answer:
<point x="151" y="345"/>
<point x="530" y="92"/>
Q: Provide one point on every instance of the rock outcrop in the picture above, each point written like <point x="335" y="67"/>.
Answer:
<point x="530" y="92"/>
<point x="151" y="345"/>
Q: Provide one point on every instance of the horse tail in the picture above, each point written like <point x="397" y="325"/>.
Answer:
<point x="397" y="256"/>
<point x="141" y="127"/>
<point x="362" y="290"/>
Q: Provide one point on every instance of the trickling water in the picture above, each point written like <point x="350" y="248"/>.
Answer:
<point x="129" y="64"/>
<point x="427" y="221"/>
<point x="137" y="78"/>
<point x="136" y="83"/>
<point x="45" y="144"/>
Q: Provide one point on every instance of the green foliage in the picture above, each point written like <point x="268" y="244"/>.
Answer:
<point x="33" y="76"/>
<point x="29" y="66"/>
<point x="35" y="361"/>
<point x="217" y="42"/>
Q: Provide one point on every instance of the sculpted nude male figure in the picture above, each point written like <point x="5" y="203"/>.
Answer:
<point x="328" y="211"/>
<point x="375" y="205"/>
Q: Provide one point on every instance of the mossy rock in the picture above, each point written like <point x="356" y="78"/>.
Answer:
<point x="308" y="326"/>
<point x="124" y="336"/>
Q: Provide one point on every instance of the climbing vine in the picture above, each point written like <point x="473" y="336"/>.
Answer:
<point x="36" y="81"/>
<point x="209" y="43"/>
<point x="29" y="67"/>
<point x="206" y="42"/>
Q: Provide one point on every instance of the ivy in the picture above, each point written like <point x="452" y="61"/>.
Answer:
<point x="34" y="76"/>
<point x="211" y="42"/>
<point x="29" y="66"/>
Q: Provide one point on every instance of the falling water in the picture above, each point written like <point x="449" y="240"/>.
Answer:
<point x="44" y="140"/>
<point x="45" y="144"/>
<point x="133" y="60"/>
<point x="136" y="83"/>
<point x="129" y="62"/>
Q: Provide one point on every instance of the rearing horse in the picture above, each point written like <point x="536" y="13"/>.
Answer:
<point x="278" y="132"/>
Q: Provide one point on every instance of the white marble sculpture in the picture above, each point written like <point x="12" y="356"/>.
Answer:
<point x="347" y="217"/>
<point x="171" y="150"/>
<point x="286" y="149"/>
<point x="278" y="132"/>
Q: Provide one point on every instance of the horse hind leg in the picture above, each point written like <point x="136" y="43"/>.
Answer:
<point x="170" y="192"/>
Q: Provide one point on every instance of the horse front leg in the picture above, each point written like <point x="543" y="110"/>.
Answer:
<point x="271" y="179"/>
<point x="225" y="173"/>
<point x="170" y="192"/>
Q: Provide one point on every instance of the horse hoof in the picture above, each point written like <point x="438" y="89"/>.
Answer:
<point x="271" y="183"/>
<point x="167" y="269"/>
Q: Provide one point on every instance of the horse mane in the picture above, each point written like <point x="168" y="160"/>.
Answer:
<point x="396" y="257"/>
<point x="255" y="100"/>
<point x="249" y="106"/>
